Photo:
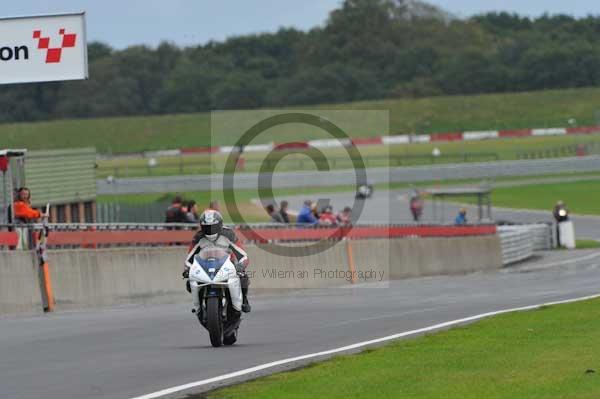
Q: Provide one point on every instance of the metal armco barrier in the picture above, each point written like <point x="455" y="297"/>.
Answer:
<point x="102" y="236"/>
<point x="541" y="234"/>
<point x="519" y="242"/>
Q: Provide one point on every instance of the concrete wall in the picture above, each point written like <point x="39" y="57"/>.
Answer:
<point x="20" y="290"/>
<point x="417" y="257"/>
<point x="106" y="277"/>
<point x="298" y="269"/>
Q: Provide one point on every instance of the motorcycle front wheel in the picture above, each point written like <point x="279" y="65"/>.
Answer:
<point x="214" y="322"/>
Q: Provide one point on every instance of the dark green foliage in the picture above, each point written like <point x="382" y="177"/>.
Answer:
<point x="368" y="49"/>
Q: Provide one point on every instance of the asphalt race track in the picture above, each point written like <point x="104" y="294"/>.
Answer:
<point x="312" y="178"/>
<point x="132" y="351"/>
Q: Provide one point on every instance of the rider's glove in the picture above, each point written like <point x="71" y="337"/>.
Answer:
<point x="239" y="268"/>
<point x="186" y="273"/>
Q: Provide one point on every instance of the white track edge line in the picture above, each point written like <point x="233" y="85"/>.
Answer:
<point x="434" y="327"/>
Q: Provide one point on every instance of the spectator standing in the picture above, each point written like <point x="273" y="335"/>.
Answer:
<point x="461" y="218"/>
<point x="327" y="217"/>
<point x="175" y="213"/>
<point x="274" y="214"/>
<point x="283" y="207"/>
<point x="416" y="205"/>
<point x="192" y="212"/>
<point x="23" y="211"/>
<point x="344" y="218"/>
<point x="306" y="216"/>
<point x="214" y="206"/>
<point x="315" y="210"/>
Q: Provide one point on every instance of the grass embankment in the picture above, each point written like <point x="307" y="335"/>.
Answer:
<point x="581" y="197"/>
<point x="587" y="244"/>
<point x="372" y="156"/>
<point x="547" y="353"/>
<point x="428" y="115"/>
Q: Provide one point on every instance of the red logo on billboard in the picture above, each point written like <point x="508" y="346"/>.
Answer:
<point x="53" y="54"/>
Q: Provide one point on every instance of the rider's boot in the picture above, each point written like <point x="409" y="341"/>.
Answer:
<point x="246" y="308"/>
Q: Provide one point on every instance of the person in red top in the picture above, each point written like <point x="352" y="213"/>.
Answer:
<point x="344" y="218"/>
<point x="23" y="211"/>
<point x="327" y="218"/>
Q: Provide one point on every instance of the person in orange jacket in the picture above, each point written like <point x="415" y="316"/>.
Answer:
<point x="23" y="211"/>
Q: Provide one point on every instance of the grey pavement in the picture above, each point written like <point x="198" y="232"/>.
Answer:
<point x="126" y="352"/>
<point x="407" y="174"/>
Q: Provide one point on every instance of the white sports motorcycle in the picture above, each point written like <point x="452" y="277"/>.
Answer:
<point x="216" y="294"/>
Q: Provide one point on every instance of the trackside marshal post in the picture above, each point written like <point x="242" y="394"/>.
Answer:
<point x="43" y="48"/>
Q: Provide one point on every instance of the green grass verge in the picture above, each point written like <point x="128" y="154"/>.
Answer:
<point x="203" y="197"/>
<point x="252" y="213"/>
<point x="581" y="197"/>
<point x="372" y="156"/>
<point x="437" y="114"/>
<point x="587" y="244"/>
<point x="530" y="355"/>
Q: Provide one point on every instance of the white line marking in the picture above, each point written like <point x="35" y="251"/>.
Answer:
<point x="358" y="345"/>
<point x="564" y="262"/>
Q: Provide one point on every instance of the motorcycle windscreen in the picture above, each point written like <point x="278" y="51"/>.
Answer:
<point x="211" y="259"/>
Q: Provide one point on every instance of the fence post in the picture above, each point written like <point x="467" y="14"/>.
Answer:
<point x="351" y="265"/>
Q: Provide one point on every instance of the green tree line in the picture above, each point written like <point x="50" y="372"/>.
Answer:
<point x="367" y="49"/>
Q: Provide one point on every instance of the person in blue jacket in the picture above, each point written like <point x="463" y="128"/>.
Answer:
<point x="461" y="218"/>
<point x="305" y="216"/>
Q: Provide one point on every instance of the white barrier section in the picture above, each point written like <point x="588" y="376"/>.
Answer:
<point x="558" y="131"/>
<point x="329" y="143"/>
<point x="162" y="153"/>
<point x="567" y="234"/>
<point x="43" y="48"/>
<point x="420" y="138"/>
<point x="227" y="149"/>
<point x="401" y="139"/>
<point x="481" y="135"/>
<point x="259" y="147"/>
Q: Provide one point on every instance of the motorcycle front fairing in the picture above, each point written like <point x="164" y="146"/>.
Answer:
<point x="215" y="272"/>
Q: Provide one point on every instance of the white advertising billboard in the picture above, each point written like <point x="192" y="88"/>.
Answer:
<point x="43" y="48"/>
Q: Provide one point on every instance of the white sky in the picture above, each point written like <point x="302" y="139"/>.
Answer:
<point x="121" y="23"/>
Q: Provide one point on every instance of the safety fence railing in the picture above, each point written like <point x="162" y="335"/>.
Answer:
<point x="131" y="234"/>
<point x="520" y="242"/>
<point x="516" y="245"/>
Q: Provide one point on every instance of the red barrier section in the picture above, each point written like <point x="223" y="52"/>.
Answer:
<point x="455" y="136"/>
<point x="9" y="239"/>
<point x="333" y="233"/>
<point x="291" y="146"/>
<point x="583" y="130"/>
<point x="92" y="238"/>
<point x="515" y="133"/>
<point x="367" y="141"/>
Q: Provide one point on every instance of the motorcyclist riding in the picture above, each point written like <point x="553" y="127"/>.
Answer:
<point x="212" y="233"/>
